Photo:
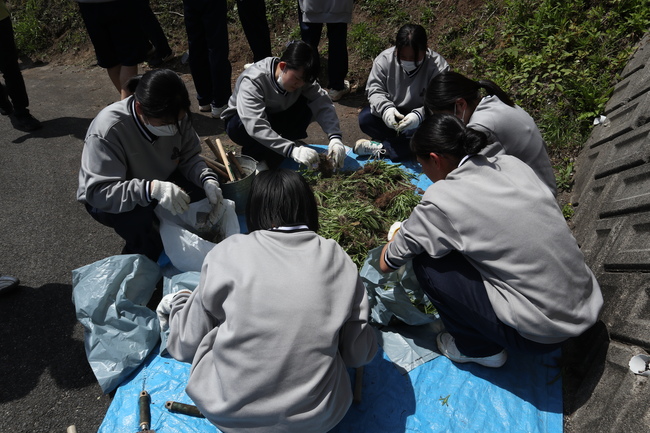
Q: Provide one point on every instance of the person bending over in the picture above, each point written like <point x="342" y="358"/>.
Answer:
<point x="492" y="251"/>
<point x="508" y="127"/>
<point x="277" y="318"/>
<point x="274" y="102"/>
<point x="142" y="152"/>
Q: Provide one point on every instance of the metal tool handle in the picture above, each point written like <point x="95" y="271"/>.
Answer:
<point x="145" y="411"/>
<point x="185" y="409"/>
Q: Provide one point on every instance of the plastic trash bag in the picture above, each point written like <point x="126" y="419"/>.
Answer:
<point x="184" y="281"/>
<point x="110" y="298"/>
<point x="185" y="244"/>
<point x="395" y="294"/>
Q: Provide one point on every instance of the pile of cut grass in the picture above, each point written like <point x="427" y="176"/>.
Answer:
<point x="356" y="209"/>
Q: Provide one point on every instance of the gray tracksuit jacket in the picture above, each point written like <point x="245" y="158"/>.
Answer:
<point x="257" y="92"/>
<point x="507" y="224"/>
<point x="390" y="86"/>
<point x="121" y="157"/>
<point x="270" y="330"/>
<point x="512" y="131"/>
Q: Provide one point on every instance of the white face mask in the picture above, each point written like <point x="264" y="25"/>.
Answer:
<point x="408" y="65"/>
<point x="163" y="131"/>
<point x="279" y="80"/>
<point x="462" y="116"/>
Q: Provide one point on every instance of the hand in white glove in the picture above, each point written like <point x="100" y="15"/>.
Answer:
<point x="391" y="117"/>
<point x="170" y="196"/>
<point x="394" y="229"/>
<point x="165" y="307"/>
<point x="215" y="197"/>
<point x="336" y="152"/>
<point x="410" y="121"/>
<point x="305" y="155"/>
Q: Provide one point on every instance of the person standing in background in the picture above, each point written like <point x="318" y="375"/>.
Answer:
<point x="252" y="14"/>
<point x="206" y="23"/>
<point x="162" y="52"/>
<point x="14" y="87"/>
<point x="336" y="14"/>
<point x="118" y="38"/>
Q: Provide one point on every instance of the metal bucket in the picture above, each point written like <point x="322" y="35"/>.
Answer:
<point x="238" y="190"/>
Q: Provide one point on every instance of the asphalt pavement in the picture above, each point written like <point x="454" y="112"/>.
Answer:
<point x="46" y="383"/>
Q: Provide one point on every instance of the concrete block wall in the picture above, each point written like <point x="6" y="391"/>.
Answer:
<point x="612" y="225"/>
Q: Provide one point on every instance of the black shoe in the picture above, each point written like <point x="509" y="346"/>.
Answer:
<point x="158" y="59"/>
<point x="8" y="283"/>
<point x="6" y="108"/>
<point x="25" y="122"/>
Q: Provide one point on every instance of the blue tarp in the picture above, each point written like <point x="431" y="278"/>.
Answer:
<point x="522" y="396"/>
<point x="525" y="395"/>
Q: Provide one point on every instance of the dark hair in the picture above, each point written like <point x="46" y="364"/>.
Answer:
<point x="447" y="87"/>
<point x="281" y="197"/>
<point x="161" y="94"/>
<point x="299" y="54"/>
<point x="446" y="134"/>
<point x="411" y="35"/>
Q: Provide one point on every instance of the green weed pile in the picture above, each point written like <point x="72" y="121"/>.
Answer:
<point x="356" y="209"/>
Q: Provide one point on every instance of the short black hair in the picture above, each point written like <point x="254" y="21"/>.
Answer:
<point x="411" y="35"/>
<point x="281" y="197"/>
<point x="300" y="54"/>
<point x="162" y="94"/>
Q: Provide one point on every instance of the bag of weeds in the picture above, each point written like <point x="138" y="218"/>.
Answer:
<point x="395" y="296"/>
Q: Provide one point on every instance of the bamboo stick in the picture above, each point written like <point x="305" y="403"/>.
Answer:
<point x="238" y="165"/>
<point x="224" y="160"/>
<point x="213" y="165"/>
<point x="239" y="175"/>
<point x="213" y="149"/>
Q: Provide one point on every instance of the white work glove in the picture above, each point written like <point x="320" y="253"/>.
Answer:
<point x="391" y="117"/>
<point x="336" y="152"/>
<point x="165" y="307"/>
<point x="215" y="197"/>
<point x="305" y="155"/>
<point x="394" y="229"/>
<point x="170" y="196"/>
<point x="410" y="121"/>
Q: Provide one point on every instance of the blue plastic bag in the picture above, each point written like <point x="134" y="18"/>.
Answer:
<point x="110" y="298"/>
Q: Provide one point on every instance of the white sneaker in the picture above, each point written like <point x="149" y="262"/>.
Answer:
<point x="216" y="111"/>
<point x="261" y="166"/>
<point x="367" y="147"/>
<point x="335" y="95"/>
<point x="447" y="346"/>
<point x="247" y="65"/>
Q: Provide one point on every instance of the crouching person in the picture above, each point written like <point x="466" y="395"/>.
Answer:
<point x="277" y="317"/>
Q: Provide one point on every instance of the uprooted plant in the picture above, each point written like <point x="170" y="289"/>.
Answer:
<point x="357" y="207"/>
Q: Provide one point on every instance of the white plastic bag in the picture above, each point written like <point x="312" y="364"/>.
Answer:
<point x="183" y="241"/>
<point x="394" y="295"/>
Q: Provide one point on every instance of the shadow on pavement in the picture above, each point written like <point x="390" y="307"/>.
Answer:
<point x="36" y="330"/>
<point x="74" y="127"/>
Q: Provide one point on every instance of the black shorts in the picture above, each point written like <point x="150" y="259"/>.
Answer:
<point x="115" y="31"/>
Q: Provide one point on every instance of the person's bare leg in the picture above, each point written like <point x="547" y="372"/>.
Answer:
<point x="114" y="75"/>
<point x="127" y="72"/>
<point x="119" y="75"/>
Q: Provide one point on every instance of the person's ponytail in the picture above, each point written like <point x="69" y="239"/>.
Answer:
<point x="492" y="88"/>
<point x="473" y="141"/>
